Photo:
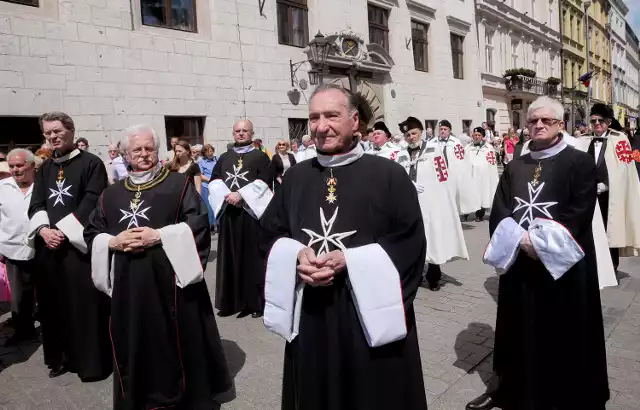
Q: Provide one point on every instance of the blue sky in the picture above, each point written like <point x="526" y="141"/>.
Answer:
<point x="633" y="17"/>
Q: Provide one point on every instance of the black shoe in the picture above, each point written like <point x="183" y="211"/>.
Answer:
<point x="58" y="371"/>
<point x="20" y="337"/>
<point x="484" y="402"/>
<point x="434" y="287"/>
<point x="256" y="315"/>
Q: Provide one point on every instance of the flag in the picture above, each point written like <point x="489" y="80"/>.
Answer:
<point x="586" y="78"/>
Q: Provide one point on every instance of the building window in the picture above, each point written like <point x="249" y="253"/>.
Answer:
<point x="297" y="128"/>
<point x="188" y="129"/>
<point x="534" y="63"/>
<point x="533" y="9"/>
<point x="466" y="125"/>
<point x="177" y="15"/>
<point x="420" y="43"/>
<point x="488" y="51"/>
<point x="293" y="25"/>
<point x="490" y="116"/>
<point x="433" y="124"/>
<point x="572" y="27"/>
<point x="552" y="67"/>
<point x="379" y="26"/>
<point x="20" y="132"/>
<point x="515" y="45"/>
<point x="457" y="53"/>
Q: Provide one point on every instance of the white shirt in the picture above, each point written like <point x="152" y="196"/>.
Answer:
<point x="14" y="222"/>
<point x="117" y="169"/>
<point x="597" y="146"/>
<point x="308" y="153"/>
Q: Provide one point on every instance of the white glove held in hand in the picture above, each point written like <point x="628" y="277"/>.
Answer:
<point x="600" y="188"/>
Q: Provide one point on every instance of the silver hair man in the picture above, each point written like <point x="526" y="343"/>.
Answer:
<point x="29" y="157"/>
<point x="547" y="102"/>
<point x="136" y="130"/>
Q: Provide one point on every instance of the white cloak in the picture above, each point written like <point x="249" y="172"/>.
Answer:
<point x="459" y="171"/>
<point x="482" y="162"/>
<point x="445" y="240"/>
<point x="393" y="152"/>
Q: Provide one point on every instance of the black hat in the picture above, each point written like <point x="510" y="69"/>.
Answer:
<point x="615" y="125"/>
<point x="409" y="124"/>
<point x="479" y="129"/>
<point x="381" y="126"/>
<point x="602" y="110"/>
<point x="445" y="123"/>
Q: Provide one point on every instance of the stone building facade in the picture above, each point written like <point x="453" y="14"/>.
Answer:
<point x="517" y="35"/>
<point x="192" y="68"/>
<point x="630" y="100"/>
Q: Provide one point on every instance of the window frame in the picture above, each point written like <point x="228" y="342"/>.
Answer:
<point x="297" y="122"/>
<point x="374" y="26"/>
<point x="167" y="11"/>
<point x="488" y="50"/>
<point x="191" y="139"/>
<point x="457" y="54"/>
<point x="433" y="124"/>
<point x="291" y="5"/>
<point x="423" y="42"/>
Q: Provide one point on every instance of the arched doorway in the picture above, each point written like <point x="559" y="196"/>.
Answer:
<point x="370" y="109"/>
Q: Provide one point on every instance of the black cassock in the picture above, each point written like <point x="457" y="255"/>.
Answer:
<point x="240" y="267"/>
<point x="329" y="365"/>
<point x="167" y="349"/>
<point x="74" y="315"/>
<point x="549" y="346"/>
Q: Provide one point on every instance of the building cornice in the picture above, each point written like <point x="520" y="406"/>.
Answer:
<point x="511" y="19"/>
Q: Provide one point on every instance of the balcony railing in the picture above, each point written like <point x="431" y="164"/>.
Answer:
<point x="532" y="86"/>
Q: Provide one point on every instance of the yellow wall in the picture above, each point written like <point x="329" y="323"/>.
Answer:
<point x="573" y="64"/>
<point x="600" y="50"/>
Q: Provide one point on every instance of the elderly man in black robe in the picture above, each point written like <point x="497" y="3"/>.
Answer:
<point x="346" y="232"/>
<point x="149" y="239"/>
<point x="73" y="314"/>
<point x="549" y="346"/>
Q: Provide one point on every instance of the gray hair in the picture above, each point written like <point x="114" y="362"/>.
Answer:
<point x="28" y="155"/>
<point x="306" y="138"/>
<point x="547" y="102"/>
<point x="197" y="146"/>
<point x="352" y="99"/>
<point x="137" y="130"/>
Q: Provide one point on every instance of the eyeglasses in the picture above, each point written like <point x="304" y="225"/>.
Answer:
<point x="546" y="121"/>
<point x="597" y="120"/>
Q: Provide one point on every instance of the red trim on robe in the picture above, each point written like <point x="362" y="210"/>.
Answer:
<point x="115" y="359"/>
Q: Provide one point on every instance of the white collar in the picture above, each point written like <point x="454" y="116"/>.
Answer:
<point x="143" y="177"/>
<point x="245" y="149"/>
<point x="12" y="182"/>
<point x="67" y="157"/>
<point x="332" y="161"/>
<point x="549" y="152"/>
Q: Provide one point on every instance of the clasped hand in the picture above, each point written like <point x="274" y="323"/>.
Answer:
<point x="234" y="199"/>
<point x="53" y="238"/>
<point x="134" y="240"/>
<point x="527" y="246"/>
<point x="319" y="270"/>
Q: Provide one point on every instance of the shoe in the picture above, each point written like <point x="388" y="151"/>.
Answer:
<point x="484" y="402"/>
<point x="256" y="315"/>
<point x="434" y="287"/>
<point x="58" y="371"/>
<point x="20" y="337"/>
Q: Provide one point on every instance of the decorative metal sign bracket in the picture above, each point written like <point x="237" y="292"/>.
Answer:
<point x="261" y="6"/>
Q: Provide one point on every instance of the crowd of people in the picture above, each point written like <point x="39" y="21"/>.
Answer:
<point x="328" y="241"/>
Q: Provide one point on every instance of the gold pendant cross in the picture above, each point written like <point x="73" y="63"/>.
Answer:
<point x="536" y="175"/>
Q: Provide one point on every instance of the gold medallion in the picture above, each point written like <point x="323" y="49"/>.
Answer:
<point x="239" y="162"/>
<point x="60" y="174"/>
<point x="332" y="184"/>
<point x="135" y="202"/>
<point x="536" y="175"/>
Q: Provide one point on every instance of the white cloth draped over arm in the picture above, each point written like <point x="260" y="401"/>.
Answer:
<point x="377" y="294"/>
<point x="256" y="196"/>
<point x="180" y="247"/>
<point x="218" y="190"/>
<point x="283" y="299"/>
<point x="74" y="231"/>
<point x="606" y="271"/>
<point x="40" y="218"/>
<point x="102" y="263"/>
<point x="555" y="247"/>
<point x="503" y="248"/>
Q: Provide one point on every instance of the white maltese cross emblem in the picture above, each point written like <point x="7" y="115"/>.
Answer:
<point x="60" y="192"/>
<point x="327" y="238"/>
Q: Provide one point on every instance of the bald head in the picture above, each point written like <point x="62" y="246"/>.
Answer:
<point x="243" y="132"/>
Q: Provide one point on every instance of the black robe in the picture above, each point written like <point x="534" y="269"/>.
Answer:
<point x="550" y="346"/>
<point x="329" y="365"/>
<point x="73" y="314"/>
<point x="240" y="267"/>
<point x="166" y="345"/>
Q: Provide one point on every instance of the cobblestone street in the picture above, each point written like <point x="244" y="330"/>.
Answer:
<point x="456" y="328"/>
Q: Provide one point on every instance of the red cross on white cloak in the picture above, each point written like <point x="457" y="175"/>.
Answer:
<point x="623" y="151"/>
<point x="491" y="157"/>
<point x="459" y="151"/>
<point x="441" y="168"/>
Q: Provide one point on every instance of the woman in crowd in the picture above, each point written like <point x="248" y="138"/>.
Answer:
<point x="206" y="164"/>
<point x="281" y="162"/>
<point x="82" y="144"/>
<point x="509" y="148"/>
<point x="183" y="163"/>
<point x="196" y="152"/>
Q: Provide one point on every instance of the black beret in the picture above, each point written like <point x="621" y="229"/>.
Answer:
<point x="602" y="110"/>
<point x="381" y="126"/>
<point x="409" y="124"/>
<point x="445" y="123"/>
<point x="479" y="129"/>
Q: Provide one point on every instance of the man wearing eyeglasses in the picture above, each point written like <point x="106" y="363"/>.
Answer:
<point x="618" y="187"/>
<point x="549" y="344"/>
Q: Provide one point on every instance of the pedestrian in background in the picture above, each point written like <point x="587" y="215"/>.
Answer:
<point x="183" y="163"/>
<point x="206" y="164"/>
<point x="281" y="162"/>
